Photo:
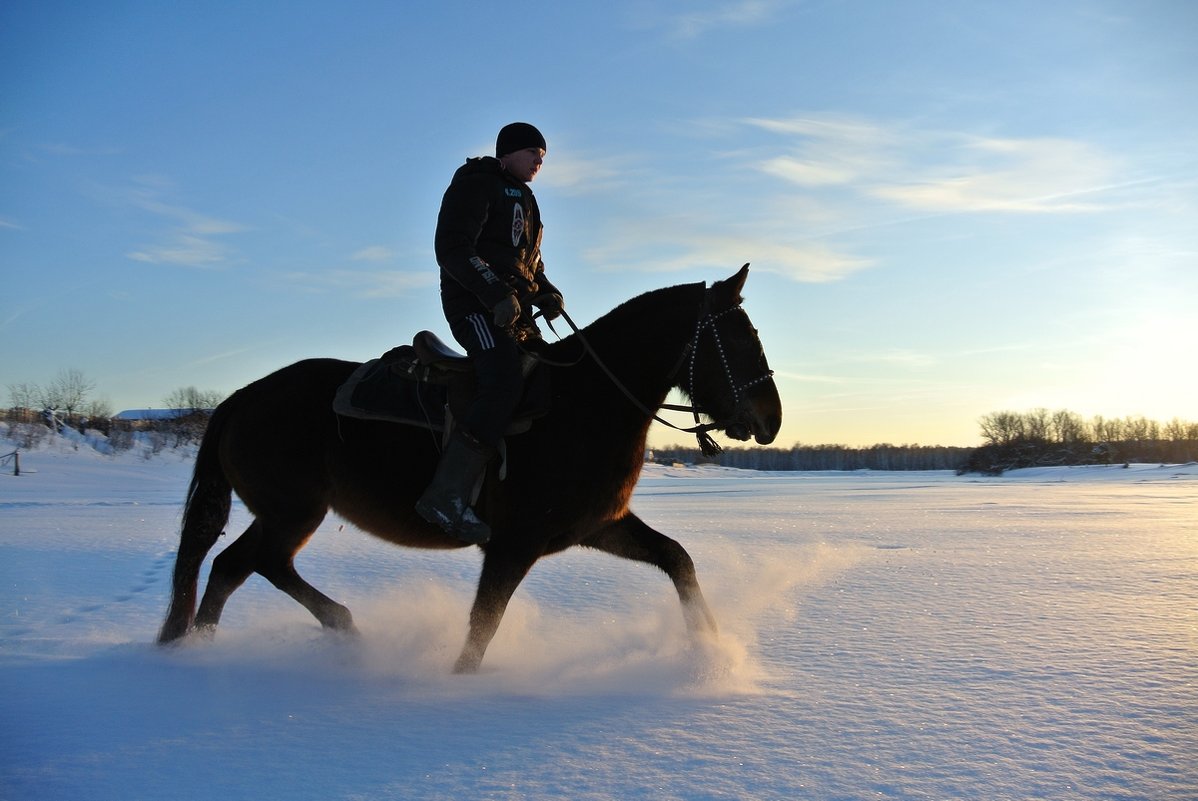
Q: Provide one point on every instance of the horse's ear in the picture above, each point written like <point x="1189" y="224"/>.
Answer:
<point x="726" y="294"/>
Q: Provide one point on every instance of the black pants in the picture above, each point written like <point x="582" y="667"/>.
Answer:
<point x="500" y="380"/>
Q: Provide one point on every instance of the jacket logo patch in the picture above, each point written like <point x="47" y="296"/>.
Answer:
<point x="484" y="270"/>
<point x="510" y="192"/>
<point x="517" y="224"/>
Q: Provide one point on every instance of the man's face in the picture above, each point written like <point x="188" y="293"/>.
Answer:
<point x="524" y="164"/>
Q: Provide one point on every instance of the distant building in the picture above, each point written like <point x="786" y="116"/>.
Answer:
<point x="151" y="415"/>
<point x="144" y="418"/>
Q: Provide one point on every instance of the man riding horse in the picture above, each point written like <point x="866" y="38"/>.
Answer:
<point x="488" y="246"/>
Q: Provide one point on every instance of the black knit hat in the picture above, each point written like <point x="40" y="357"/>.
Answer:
<point x="517" y="136"/>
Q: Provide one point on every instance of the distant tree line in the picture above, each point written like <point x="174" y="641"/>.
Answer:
<point x="821" y="457"/>
<point x="69" y="392"/>
<point x="1010" y="440"/>
<point x="189" y="399"/>
<point x="67" y="401"/>
<point x="1040" y="438"/>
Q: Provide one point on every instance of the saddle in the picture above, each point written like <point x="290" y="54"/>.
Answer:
<point x="427" y="384"/>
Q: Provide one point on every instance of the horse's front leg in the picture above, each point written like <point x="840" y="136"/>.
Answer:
<point x="631" y="538"/>
<point x="503" y="570"/>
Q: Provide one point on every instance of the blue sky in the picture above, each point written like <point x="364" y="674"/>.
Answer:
<point x="950" y="208"/>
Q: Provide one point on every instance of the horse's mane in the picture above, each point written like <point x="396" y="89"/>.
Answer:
<point x="646" y="316"/>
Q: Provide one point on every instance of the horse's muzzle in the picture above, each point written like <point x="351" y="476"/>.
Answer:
<point x="758" y="416"/>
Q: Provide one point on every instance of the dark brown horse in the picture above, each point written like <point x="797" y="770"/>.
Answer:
<point x="278" y="444"/>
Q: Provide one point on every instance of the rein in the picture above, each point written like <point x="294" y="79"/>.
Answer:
<point x="707" y="445"/>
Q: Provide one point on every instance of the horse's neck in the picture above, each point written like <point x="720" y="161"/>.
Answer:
<point x="643" y="340"/>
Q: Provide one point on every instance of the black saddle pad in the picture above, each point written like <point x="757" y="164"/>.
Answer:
<point x="397" y="388"/>
<point x="376" y="391"/>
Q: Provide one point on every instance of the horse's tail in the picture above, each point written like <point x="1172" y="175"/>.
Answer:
<point x="204" y="516"/>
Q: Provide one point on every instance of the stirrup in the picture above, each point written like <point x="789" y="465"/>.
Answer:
<point x="459" y="520"/>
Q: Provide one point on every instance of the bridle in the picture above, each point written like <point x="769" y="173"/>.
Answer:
<point x="708" y="321"/>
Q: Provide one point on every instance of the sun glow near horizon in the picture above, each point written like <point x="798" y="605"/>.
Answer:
<point x="1142" y="369"/>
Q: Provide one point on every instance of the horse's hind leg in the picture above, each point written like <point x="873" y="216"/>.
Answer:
<point x="230" y="569"/>
<point x="268" y="550"/>
<point x="331" y="614"/>
<point x="276" y="563"/>
<point x="631" y="538"/>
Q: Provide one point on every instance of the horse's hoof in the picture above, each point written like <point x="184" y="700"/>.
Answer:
<point x="338" y="618"/>
<point x="466" y="666"/>
<point x="350" y="634"/>
<point x="203" y="632"/>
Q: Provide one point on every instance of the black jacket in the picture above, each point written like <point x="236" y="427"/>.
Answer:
<point x="488" y="241"/>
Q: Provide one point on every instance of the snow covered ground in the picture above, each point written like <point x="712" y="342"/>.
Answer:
<point x="883" y="635"/>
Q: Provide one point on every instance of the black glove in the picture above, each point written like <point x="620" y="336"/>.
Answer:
<point x="523" y="287"/>
<point x="506" y="311"/>
<point x="551" y="306"/>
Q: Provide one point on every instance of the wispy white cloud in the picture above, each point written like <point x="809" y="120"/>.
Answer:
<point x="828" y="149"/>
<point x="832" y="177"/>
<point x="192" y="240"/>
<point x="183" y="249"/>
<point x="1007" y="175"/>
<point x="364" y="283"/>
<point x="806" y="173"/>
<point x="12" y="317"/>
<point x="666" y="250"/>
<point x="728" y="13"/>
<point x="811" y="263"/>
<point x="938" y="171"/>
<point x="827" y="127"/>
<point x="574" y="175"/>
<point x="374" y="253"/>
<point x="147" y="199"/>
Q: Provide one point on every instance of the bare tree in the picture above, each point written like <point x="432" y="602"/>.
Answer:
<point x="1178" y="430"/>
<point x="1036" y="424"/>
<point x="97" y="409"/>
<point x="1067" y="427"/>
<point x="1002" y="428"/>
<point x="48" y="397"/>
<point x="69" y="391"/>
<point x="190" y="399"/>
<point x="1106" y="430"/>
<point x="24" y="396"/>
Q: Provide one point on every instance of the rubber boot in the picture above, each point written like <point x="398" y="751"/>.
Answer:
<point x="446" y="501"/>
